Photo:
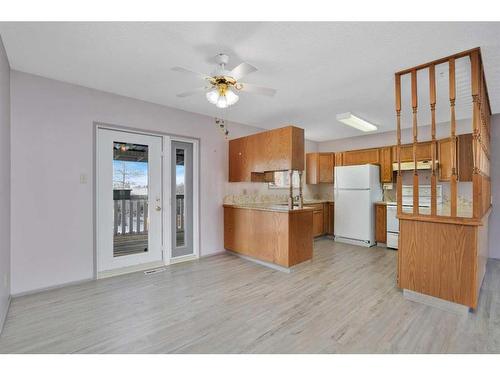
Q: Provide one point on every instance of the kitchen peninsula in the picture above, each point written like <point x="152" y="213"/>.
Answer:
<point x="271" y="233"/>
<point x="278" y="234"/>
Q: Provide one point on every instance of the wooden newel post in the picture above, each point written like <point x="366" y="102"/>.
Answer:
<point x="476" y="178"/>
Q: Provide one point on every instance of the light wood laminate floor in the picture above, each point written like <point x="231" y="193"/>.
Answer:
<point x="345" y="301"/>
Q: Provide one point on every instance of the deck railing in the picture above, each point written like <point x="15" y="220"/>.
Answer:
<point x="179" y="212"/>
<point x="131" y="215"/>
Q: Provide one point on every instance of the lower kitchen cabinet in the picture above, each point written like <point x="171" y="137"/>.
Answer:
<point x="380" y="223"/>
<point x="322" y="218"/>
<point x="318" y="223"/>
<point x="331" y="218"/>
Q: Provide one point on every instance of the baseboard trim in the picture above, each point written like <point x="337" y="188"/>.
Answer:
<point x="438" y="303"/>
<point x="49" y="288"/>
<point x="184" y="258"/>
<point x="270" y="265"/>
<point x="3" y="316"/>
<point x="213" y="254"/>
<point x="130" y="269"/>
<point x="261" y="262"/>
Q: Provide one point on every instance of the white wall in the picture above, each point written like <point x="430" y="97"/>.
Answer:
<point x="389" y="138"/>
<point x="52" y="138"/>
<point x="4" y="183"/>
<point x="494" y="224"/>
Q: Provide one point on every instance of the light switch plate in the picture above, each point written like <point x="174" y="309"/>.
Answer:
<point x="83" y="178"/>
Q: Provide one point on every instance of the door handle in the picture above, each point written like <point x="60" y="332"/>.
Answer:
<point x="158" y="208"/>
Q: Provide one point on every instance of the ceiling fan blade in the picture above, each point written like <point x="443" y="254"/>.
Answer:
<point x="192" y="92"/>
<point x="242" y="70"/>
<point x="187" y="71"/>
<point x="259" y="90"/>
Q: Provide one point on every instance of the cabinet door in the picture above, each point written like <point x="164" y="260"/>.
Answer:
<point x="317" y="223"/>
<point x="444" y="158"/>
<point x="381" y="223"/>
<point x="326" y="218"/>
<point x="360" y="157"/>
<point x="423" y="152"/>
<point x="331" y="218"/>
<point x="339" y="159"/>
<point x="238" y="161"/>
<point x="326" y="163"/>
<point x="385" y="164"/>
<point x="312" y="168"/>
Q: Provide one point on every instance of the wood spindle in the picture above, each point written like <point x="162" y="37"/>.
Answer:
<point x="432" y="89"/>
<point x="399" y="181"/>
<point x="414" y="104"/>
<point x="124" y="216"/>
<point x="131" y="217"/>
<point x="453" y="179"/>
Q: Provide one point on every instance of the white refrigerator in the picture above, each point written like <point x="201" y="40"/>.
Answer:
<point x="356" y="189"/>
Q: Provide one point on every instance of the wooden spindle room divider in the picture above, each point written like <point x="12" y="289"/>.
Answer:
<point x="441" y="255"/>
<point x="480" y="128"/>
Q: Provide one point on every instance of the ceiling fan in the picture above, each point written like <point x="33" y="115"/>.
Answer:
<point x="223" y="85"/>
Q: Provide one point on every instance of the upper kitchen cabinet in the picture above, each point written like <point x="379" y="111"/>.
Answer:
<point x="464" y="160"/>
<point x="274" y="150"/>
<point x="386" y="164"/>
<point x="380" y="156"/>
<point x="319" y="167"/>
<point x="360" y="157"/>
<point x="424" y="152"/>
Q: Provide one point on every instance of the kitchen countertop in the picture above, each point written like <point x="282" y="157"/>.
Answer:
<point x="381" y="202"/>
<point x="317" y="201"/>
<point x="442" y="210"/>
<point x="274" y="207"/>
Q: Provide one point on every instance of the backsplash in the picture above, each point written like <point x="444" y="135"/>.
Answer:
<point x="255" y="192"/>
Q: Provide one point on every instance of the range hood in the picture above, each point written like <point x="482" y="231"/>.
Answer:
<point x="409" y="165"/>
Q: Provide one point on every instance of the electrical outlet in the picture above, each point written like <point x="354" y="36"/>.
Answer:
<point x="83" y="178"/>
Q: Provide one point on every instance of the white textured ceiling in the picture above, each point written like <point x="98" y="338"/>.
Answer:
<point x="319" y="69"/>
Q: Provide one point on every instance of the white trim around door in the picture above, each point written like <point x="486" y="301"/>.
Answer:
<point x="166" y="240"/>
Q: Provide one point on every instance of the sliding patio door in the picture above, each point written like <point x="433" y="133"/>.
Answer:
<point x="129" y="200"/>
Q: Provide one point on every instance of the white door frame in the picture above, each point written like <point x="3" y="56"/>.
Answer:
<point x="167" y="234"/>
<point x="166" y="178"/>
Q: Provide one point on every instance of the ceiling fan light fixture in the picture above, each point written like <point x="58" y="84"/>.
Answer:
<point x="213" y="95"/>
<point x="231" y="97"/>
<point x="222" y="102"/>
<point x="354" y="121"/>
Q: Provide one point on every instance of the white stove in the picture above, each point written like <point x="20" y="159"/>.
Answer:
<point x="424" y="204"/>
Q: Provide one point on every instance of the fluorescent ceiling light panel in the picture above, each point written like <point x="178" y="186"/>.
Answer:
<point x="349" y="119"/>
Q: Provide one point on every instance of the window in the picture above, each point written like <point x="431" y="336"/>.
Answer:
<point x="282" y="180"/>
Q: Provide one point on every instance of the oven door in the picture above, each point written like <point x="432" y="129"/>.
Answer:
<point x="392" y="240"/>
<point x="392" y="220"/>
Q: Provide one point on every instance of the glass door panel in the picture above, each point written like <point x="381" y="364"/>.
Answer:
<point x="130" y="198"/>
<point x="182" y="197"/>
